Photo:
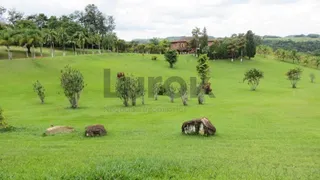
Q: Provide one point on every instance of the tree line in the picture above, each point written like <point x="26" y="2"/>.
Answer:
<point x="78" y="30"/>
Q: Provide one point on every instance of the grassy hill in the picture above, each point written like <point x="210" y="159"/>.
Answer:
<point x="273" y="133"/>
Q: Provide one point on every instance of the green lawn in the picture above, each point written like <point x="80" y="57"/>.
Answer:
<point x="273" y="133"/>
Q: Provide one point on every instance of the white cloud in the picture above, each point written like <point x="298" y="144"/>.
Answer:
<point x="147" y="19"/>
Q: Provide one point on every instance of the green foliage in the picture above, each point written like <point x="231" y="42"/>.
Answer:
<point x="171" y="92"/>
<point x="39" y="89"/>
<point x="253" y="77"/>
<point x="200" y="93"/>
<point x="3" y="123"/>
<point x="154" y="58"/>
<point x="203" y="68"/>
<point x="312" y="77"/>
<point x="250" y="46"/>
<point x="294" y="76"/>
<point x="129" y="88"/>
<point x="72" y="83"/>
<point x="264" y="50"/>
<point x="184" y="94"/>
<point x="171" y="57"/>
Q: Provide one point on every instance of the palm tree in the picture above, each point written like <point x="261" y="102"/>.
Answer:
<point x="62" y="39"/>
<point x="7" y="39"/>
<point x="241" y="44"/>
<point x="51" y="37"/>
<point x="81" y="39"/>
<point x="30" y="38"/>
<point x="73" y="40"/>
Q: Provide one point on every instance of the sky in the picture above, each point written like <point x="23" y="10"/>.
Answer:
<point x="148" y="18"/>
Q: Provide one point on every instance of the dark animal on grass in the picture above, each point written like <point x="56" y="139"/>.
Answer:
<point x="95" y="130"/>
<point x="198" y="126"/>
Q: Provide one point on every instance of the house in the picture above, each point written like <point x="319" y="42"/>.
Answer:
<point x="182" y="46"/>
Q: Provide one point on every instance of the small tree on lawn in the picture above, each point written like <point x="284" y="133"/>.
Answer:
<point x="39" y="89"/>
<point x="136" y="89"/>
<point x="253" y="77"/>
<point x="73" y="84"/>
<point x="184" y="94"/>
<point x="122" y="88"/>
<point x="156" y="89"/>
<point x="200" y="93"/>
<point x="170" y="92"/>
<point x="312" y="77"/>
<point x="172" y="57"/>
<point x="3" y="123"/>
<point x="294" y="76"/>
<point x="129" y="88"/>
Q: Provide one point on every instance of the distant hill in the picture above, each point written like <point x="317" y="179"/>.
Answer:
<point x="170" y="38"/>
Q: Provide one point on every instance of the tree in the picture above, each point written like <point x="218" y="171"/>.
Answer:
<point x="171" y="57"/>
<point x="196" y="36"/>
<point x="203" y="69"/>
<point x="203" y="40"/>
<point x="250" y="44"/>
<point x="39" y="89"/>
<point x="62" y="37"/>
<point x="241" y="44"/>
<point x="265" y="50"/>
<point x="253" y="77"/>
<point x="154" y="41"/>
<point x="129" y="87"/>
<point x="7" y="39"/>
<point x="72" y="83"/>
<point x="184" y="94"/>
<point x="294" y="76"/>
<point x="14" y="16"/>
<point x="171" y="91"/>
<point x="51" y="37"/>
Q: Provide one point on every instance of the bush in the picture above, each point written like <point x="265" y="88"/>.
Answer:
<point x="129" y="88"/>
<point x="184" y="94"/>
<point x="72" y="83"/>
<point x="162" y="90"/>
<point x="154" y="58"/>
<point x="3" y="123"/>
<point x="294" y="76"/>
<point x="171" y="57"/>
<point x="39" y="89"/>
<point x="312" y="77"/>
<point x="253" y="77"/>
<point x="170" y="92"/>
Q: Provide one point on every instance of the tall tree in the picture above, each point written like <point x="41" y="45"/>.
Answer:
<point x="14" y="16"/>
<point x="51" y="37"/>
<point x="62" y="37"/>
<point x="241" y="44"/>
<point x="203" y="39"/>
<point x="250" y="44"/>
<point x="196" y="36"/>
<point x="7" y="39"/>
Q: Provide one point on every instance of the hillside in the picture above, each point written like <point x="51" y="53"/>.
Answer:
<point x="272" y="133"/>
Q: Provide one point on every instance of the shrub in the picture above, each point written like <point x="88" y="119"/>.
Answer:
<point x="203" y="68"/>
<point x="162" y="90"/>
<point x="207" y="88"/>
<point x="294" y="76"/>
<point x="129" y="88"/>
<point x="200" y="93"/>
<point x="72" y="82"/>
<point x="312" y="77"/>
<point x="184" y="94"/>
<point x="3" y="123"/>
<point x="154" y="58"/>
<point x="171" y="57"/>
<point x="170" y="92"/>
<point x="253" y="77"/>
<point x="39" y="89"/>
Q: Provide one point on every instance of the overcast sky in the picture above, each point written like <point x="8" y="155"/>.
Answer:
<point x="162" y="18"/>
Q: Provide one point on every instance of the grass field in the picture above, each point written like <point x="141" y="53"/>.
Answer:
<point x="20" y="52"/>
<point x="273" y="133"/>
